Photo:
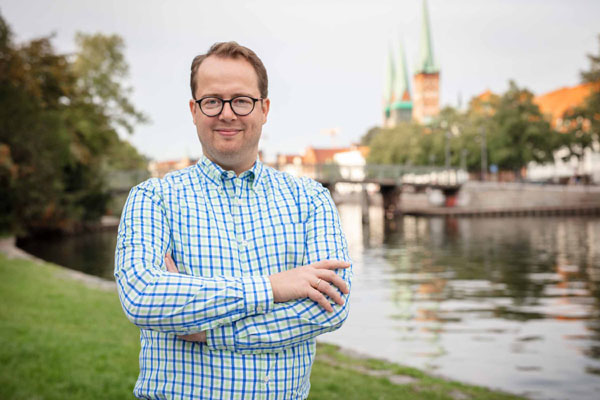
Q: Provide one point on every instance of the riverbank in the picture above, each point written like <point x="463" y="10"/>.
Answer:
<point x="65" y="338"/>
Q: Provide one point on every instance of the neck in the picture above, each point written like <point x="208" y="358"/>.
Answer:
<point x="238" y="168"/>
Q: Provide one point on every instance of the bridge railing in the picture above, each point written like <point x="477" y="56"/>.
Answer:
<point x="383" y="174"/>
<point x="124" y="180"/>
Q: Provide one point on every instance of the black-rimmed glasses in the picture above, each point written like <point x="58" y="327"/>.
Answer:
<point x="240" y="105"/>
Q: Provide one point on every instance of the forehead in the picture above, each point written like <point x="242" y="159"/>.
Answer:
<point x="226" y="77"/>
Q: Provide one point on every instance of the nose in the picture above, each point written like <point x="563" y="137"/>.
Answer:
<point x="227" y="113"/>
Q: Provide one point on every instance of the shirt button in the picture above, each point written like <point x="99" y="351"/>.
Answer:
<point x="260" y="309"/>
<point x="266" y="378"/>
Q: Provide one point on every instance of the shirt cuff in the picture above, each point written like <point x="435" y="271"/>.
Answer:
<point x="258" y="294"/>
<point x="221" y="338"/>
<point x="258" y="299"/>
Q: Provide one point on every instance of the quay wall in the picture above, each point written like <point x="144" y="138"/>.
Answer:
<point x="501" y="195"/>
<point x="520" y="195"/>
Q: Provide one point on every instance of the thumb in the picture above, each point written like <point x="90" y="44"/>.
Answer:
<point x="170" y="264"/>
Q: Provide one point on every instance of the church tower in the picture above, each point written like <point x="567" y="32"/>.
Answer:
<point x="426" y="81"/>
<point x="396" y="98"/>
<point x="388" y="91"/>
<point x="401" y="107"/>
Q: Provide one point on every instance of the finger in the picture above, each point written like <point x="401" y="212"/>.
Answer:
<point x="192" y="337"/>
<point x="335" y="279"/>
<point x="325" y="288"/>
<point x="318" y="297"/>
<point x="331" y="264"/>
<point x="171" y="267"/>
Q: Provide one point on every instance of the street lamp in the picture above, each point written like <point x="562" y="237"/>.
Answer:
<point x="483" y="154"/>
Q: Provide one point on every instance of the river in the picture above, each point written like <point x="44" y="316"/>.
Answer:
<point x="507" y="303"/>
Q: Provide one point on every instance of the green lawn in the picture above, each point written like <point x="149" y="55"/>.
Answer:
<point x="60" y="339"/>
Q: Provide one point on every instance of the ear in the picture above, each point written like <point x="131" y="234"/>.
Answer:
<point x="266" y="105"/>
<point x="192" y="110"/>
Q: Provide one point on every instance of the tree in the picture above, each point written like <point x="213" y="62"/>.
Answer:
<point x="399" y="145"/>
<point x="519" y="133"/>
<point x="58" y="131"/>
<point x="365" y="140"/>
<point x="101" y="71"/>
<point x="581" y="124"/>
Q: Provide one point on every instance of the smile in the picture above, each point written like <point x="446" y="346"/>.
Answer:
<point x="228" y="132"/>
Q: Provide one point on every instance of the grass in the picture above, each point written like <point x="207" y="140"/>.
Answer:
<point x="61" y="339"/>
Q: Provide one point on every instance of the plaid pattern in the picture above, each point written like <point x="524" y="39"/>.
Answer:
<point x="227" y="234"/>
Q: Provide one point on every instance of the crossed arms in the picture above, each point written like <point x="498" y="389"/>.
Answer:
<point x="244" y="314"/>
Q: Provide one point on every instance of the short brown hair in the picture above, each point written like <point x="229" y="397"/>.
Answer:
<point x="233" y="50"/>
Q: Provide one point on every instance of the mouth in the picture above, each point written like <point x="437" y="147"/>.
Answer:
<point x="227" y="132"/>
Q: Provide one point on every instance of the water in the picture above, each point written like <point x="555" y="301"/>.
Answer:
<point x="508" y="303"/>
<point x="92" y="253"/>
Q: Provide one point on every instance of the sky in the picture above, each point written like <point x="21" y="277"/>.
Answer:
<point x="325" y="59"/>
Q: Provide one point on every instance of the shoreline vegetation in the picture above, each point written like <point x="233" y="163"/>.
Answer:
<point x="64" y="336"/>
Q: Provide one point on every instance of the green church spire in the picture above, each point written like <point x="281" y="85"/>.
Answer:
<point x="388" y="88"/>
<point x="426" y="63"/>
<point x="401" y="87"/>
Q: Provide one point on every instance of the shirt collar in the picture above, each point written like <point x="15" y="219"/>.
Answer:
<point x="217" y="175"/>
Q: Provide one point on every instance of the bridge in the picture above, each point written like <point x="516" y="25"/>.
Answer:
<point x="390" y="179"/>
<point x="121" y="181"/>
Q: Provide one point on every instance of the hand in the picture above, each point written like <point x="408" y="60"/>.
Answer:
<point x="193" y="337"/>
<point x="311" y="281"/>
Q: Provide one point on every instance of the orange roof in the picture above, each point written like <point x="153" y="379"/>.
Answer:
<point x="321" y="156"/>
<point x="364" y="150"/>
<point x="483" y="103"/>
<point x="286" y="158"/>
<point x="555" y="103"/>
<point x="485" y="96"/>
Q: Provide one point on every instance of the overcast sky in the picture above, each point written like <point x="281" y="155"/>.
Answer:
<point x="325" y="59"/>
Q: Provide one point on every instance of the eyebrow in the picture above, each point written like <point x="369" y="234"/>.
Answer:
<point x="232" y="96"/>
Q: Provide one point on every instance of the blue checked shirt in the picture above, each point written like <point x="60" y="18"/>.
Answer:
<point x="226" y="234"/>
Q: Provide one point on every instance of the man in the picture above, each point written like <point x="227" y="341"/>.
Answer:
<point x="230" y="268"/>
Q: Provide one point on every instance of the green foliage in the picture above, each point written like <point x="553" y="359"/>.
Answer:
<point x="58" y="131"/>
<point x="593" y="75"/>
<point x="519" y="132"/>
<point x="399" y="145"/>
<point x="515" y="134"/>
<point x="581" y="125"/>
<point x="371" y="133"/>
<point x="101" y="70"/>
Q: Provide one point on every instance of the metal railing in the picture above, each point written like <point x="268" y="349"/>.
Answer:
<point x="124" y="180"/>
<point x="382" y="174"/>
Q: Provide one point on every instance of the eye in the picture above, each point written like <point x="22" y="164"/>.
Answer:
<point x="211" y="102"/>
<point x="243" y="101"/>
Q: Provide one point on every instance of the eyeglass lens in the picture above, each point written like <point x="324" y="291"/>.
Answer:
<point x="241" y="105"/>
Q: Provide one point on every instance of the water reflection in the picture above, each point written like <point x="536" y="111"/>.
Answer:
<point x="92" y="253"/>
<point x="511" y="303"/>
